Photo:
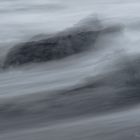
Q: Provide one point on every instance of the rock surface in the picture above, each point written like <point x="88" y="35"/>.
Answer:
<point x="52" y="48"/>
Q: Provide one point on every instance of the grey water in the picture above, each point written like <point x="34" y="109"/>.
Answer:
<point x="92" y="94"/>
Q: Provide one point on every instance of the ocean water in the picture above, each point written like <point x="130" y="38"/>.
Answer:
<point x="90" y="95"/>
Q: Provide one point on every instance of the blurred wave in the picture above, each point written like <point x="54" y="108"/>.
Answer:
<point x="59" y="63"/>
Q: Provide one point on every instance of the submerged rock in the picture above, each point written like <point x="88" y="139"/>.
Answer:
<point x="71" y="41"/>
<point x="60" y="45"/>
<point x="50" y="49"/>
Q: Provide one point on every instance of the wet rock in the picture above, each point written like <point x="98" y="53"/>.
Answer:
<point x="52" y="48"/>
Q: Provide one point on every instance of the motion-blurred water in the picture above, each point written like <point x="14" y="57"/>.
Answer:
<point x="103" y="82"/>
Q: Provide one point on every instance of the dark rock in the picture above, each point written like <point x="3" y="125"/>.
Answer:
<point x="74" y="40"/>
<point x="52" y="48"/>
